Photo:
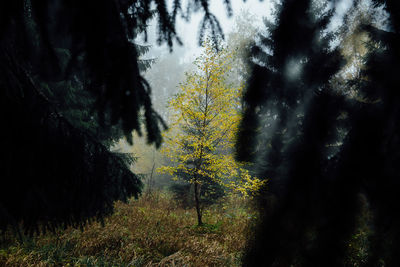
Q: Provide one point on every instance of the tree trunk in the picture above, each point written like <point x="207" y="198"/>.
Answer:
<point x="197" y="199"/>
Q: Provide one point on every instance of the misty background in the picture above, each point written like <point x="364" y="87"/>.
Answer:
<point x="169" y="66"/>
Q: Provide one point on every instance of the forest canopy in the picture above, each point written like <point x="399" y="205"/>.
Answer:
<point x="319" y="113"/>
<point x="71" y="84"/>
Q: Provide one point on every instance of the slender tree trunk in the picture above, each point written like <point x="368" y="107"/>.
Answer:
<point x="197" y="199"/>
<point x="151" y="180"/>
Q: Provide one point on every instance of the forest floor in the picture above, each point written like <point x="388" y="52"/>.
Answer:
<point x="150" y="231"/>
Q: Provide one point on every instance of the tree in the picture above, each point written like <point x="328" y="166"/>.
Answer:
<point x="205" y="120"/>
<point x="380" y="173"/>
<point x="239" y="41"/>
<point x="71" y="177"/>
<point x="285" y="129"/>
<point x="316" y="190"/>
<point x="76" y="104"/>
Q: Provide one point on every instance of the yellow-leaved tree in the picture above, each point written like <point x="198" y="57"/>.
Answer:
<point x="205" y="119"/>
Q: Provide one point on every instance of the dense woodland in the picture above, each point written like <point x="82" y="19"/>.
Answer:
<point x="277" y="145"/>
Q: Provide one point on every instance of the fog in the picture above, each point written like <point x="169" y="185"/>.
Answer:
<point x="188" y="31"/>
<point x="252" y="133"/>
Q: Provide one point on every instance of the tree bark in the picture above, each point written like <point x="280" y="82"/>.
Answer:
<point x="197" y="200"/>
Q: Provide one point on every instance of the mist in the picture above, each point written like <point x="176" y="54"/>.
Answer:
<point x="200" y="133"/>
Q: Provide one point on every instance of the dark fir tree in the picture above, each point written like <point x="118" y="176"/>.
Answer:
<point x="70" y="82"/>
<point x="323" y="149"/>
<point x="376" y="124"/>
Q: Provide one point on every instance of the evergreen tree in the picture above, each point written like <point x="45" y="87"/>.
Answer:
<point x="378" y="116"/>
<point x="325" y="149"/>
<point x="56" y="167"/>
<point x="288" y="105"/>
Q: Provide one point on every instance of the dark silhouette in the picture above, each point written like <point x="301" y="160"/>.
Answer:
<point x="70" y="85"/>
<point x="320" y="149"/>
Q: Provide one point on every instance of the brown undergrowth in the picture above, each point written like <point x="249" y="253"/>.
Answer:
<point x="151" y="231"/>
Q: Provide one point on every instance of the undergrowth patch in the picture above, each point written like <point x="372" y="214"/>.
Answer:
<point x="151" y="231"/>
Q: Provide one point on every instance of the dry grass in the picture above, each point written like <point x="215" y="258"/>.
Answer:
<point x="151" y="231"/>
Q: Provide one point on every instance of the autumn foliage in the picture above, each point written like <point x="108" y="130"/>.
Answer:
<point x="205" y="120"/>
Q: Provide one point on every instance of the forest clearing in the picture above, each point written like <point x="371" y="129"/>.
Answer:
<point x="151" y="231"/>
<point x="200" y="133"/>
